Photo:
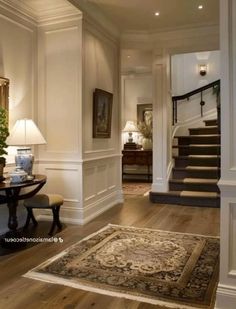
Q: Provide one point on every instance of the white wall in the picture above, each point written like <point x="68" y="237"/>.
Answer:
<point x="185" y="77"/>
<point x="101" y="156"/>
<point x="60" y="113"/>
<point x="18" y="63"/>
<point x="135" y="89"/>
<point x="45" y="64"/>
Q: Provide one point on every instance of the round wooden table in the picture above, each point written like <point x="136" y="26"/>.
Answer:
<point x="13" y="195"/>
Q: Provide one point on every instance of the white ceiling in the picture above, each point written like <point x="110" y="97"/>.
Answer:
<point x="134" y="15"/>
<point x="138" y="15"/>
<point x="136" y="61"/>
<point x="131" y="16"/>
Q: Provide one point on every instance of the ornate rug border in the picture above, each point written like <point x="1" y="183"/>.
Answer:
<point x="32" y="274"/>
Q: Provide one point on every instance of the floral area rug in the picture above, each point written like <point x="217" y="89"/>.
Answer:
<point x="174" y="270"/>
<point x="136" y="188"/>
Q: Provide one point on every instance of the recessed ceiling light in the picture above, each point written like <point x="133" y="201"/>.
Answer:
<point x="200" y="7"/>
<point x="128" y="56"/>
<point x="157" y="14"/>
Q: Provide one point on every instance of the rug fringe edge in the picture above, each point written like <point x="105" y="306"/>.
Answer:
<point x="51" y="279"/>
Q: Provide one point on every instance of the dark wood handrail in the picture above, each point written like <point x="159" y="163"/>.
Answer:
<point x="200" y="90"/>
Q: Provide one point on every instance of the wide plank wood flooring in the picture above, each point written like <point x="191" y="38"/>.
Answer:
<point x="17" y="292"/>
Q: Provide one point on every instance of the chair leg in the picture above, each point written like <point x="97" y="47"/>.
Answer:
<point x="56" y="220"/>
<point x="27" y="220"/>
<point x="57" y="211"/>
<point x="33" y="217"/>
<point x="30" y="215"/>
<point x="52" y="228"/>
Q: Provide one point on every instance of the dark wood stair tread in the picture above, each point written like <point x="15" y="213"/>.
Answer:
<point x="204" y="130"/>
<point x="198" y="194"/>
<point x="209" y="122"/>
<point x="188" y="198"/>
<point x="208" y="127"/>
<point x="197" y="135"/>
<point x="197" y="168"/>
<point x="195" y="180"/>
<point x="196" y="145"/>
<point x="209" y="168"/>
<point x="197" y="156"/>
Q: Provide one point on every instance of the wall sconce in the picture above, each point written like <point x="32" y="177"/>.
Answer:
<point x="202" y="69"/>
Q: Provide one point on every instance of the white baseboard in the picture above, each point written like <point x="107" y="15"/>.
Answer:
<point x="82" y="216"/>
<point x="160" y="185"/>
<point x="63" y="219"/>
<point x="98" y="207"/>
<point x="225" y="297"/>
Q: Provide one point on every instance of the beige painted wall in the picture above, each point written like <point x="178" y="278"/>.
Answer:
<point x="18" y="63"/>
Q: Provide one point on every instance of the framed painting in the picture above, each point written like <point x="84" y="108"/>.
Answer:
<point x="4" y="92"/>
<point x="144" y="113"/>
<point x="102" y="113"/>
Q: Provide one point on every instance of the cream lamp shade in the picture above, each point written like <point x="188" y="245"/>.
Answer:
<point x="25" y="133"/>
<point x="130" y="127"/>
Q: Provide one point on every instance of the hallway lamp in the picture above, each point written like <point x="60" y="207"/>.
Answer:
<point x="130" y="128"/>
<point x="25" y="133"/>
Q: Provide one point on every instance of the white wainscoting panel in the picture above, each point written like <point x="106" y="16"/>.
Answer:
<point x="102" y="186"/>
<point x="102" y="175"/>
<point x="232" y="244"/>
<point x="89" y="190"/>
<point x="113" y="174"/>
<point x="64" y="179"/>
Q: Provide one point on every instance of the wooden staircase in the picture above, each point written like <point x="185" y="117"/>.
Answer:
<point x="196" y="170"/>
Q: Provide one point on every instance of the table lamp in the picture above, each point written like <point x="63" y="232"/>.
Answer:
<point x="130" y="127"/>
<point x="25" y="133"/>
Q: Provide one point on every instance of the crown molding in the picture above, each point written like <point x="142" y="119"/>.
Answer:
<point x="43" y="16"/>
<point x="171" y="38"/>
<point x="12" y="10"/>
<point x="92" y="26"/>
<point x="170" y="29"/>
<point x="170" y="33"/>
<point x="93" y="15"/>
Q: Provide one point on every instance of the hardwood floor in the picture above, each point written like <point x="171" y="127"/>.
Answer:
<point x="19" y="292"/>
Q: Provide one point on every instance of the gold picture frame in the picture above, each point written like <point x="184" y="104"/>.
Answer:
<point x="102" y="113"/>
<point x="4" y="93"/>
<point x="144" y="113"/>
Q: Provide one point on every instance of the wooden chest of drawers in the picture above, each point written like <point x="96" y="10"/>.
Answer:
<point x="137" y="157"/>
